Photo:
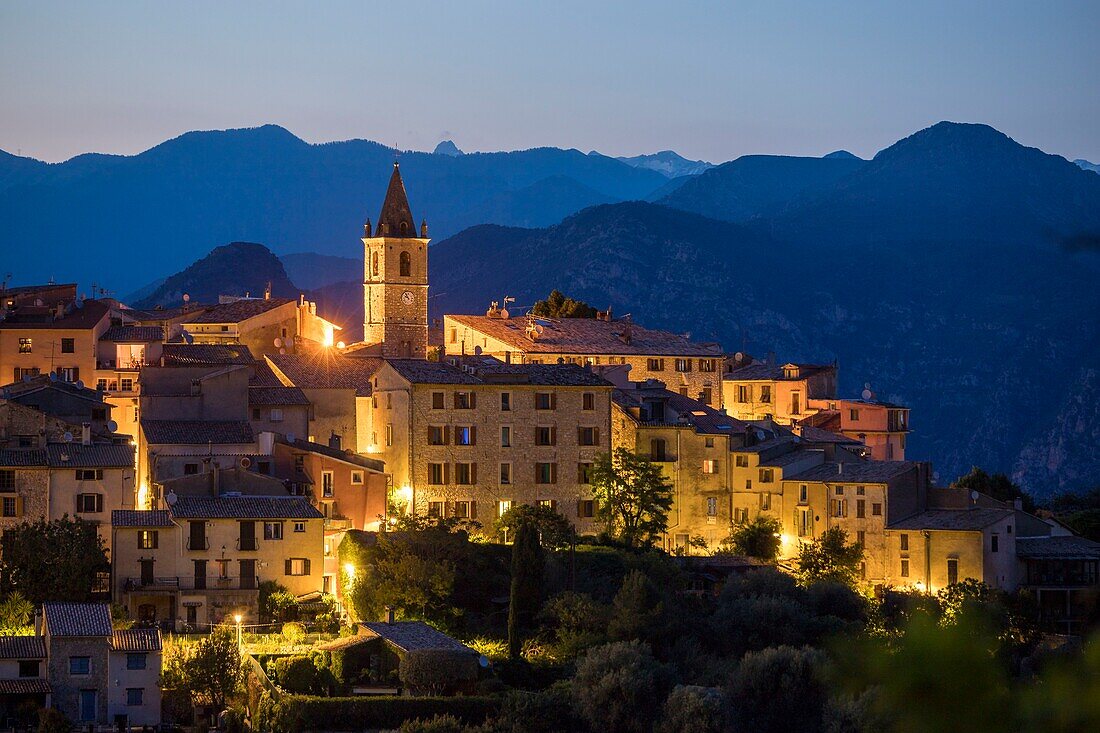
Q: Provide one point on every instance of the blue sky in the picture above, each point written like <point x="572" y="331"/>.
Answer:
<point x="710" y="80"/>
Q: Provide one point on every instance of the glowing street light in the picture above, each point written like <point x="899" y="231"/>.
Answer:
<point x="237" y="618"/>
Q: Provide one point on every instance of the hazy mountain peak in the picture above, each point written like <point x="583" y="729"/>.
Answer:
<point x="842" y="155"/>
<point x="1082" y="163"/>
<point x="447" y="147"/>
<point x="237" y="268"/>
<point x="668" y="163"/>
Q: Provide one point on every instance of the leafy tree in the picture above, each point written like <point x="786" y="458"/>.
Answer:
<point x="72" y="550"/>
<point x="15" y="614"/>
<point x="621" y="688"/>
<point x="634" y="497"/>
<point x="300" y="675"/>
<point x="525" y="598"/>
<point x="554" y="530"/>
<point x="435" y="671"/>
<point x="276" y="602"/>
<point x="578" y="622"/>
<point x="547" y="711"/>
<point x="1080" y="512"/>
<point x="692" y="709"/>
<point x="52" y="720"/>
<point x="213" y="670"/>
<point x="997" y="485"/>
<point x="830" y="558"/>
<point x="412" y="572"/>
<point x="779" y="689"/>
<point x="758" y="538"/>
<point x="637" y="609"/>
<point x="557" y="305"/>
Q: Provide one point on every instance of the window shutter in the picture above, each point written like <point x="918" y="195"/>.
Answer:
<point x="554" y="504"/>
<point x="76" y="374"/>
<point x="473" y="399"/>
<point x="286" y="566"/>
<point x="553" y="475"/>
<point x="596" y="435"/>
<point x="19" y="506"/>
<point x="554" y="435"/>
<point x="553" y="400"/>
<point x="473" y="504"/>
<point x="473" y="435"/>
<point x="446" y="473"/>
<point x="578" y="508"/>
<point x="306" y="564"/>
<point x="446" y="435"/>
<point x="536" y="435"/>
<point x="156" y="539"/>
<point x="473" y="473"/>
<point x="845" y="508"/>
<point x="580" y="435"/>
<point x="99" y="502"/>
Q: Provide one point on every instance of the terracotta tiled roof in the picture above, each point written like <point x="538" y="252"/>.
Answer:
<point x="140" y="334"/>
<point x="812" y="434"/>
<point x="243" y="507"/>
<point x="700" y="416"/>
<point x="855" y="471"/>
<point x="15" y="390"/>
<point x="197" y="432"/>
<point x="341" y="455"/>
<point x="22" y="458"/>
<point x="1057" y="548"/>
<point x="206" y="354"/>
<point x="488" y="370"/>
<point x="140" y="518"/>
<point x="785" y="459"/>
<point x="238" y="310"/>
<point x="78" y="619"/>
<point x="276" y="396"/>
<point x="86" y="317"/>
<point x="953" y="519"/>
<point x="586" y="336"/>
<point x="22" y="647"/>
<point x="136" y="640"/>
<point x="413" y="635"/>
<point x="96" y="455"/>
<point x="326" y="370"/>
<point x="263" y="376"/>
<point x="772" y="372"/>
<point x="25" y="686"/>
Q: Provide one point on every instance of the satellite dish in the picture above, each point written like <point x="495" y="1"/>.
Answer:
<point x="245" y="462"/>
<point x="504" y="314"/>
<point x="340" y="344"/>
<point x="483" y="661"/>
<point x="80" y="384"/>
<point x="112" y="426"/>
<point x="867" y="394"/>
<point x="867" y="385"/>
<point x="477" y="351"/>
<point x="739" y="356"/>
<point x="53" y="376"/>
<point x="759" y="434"/>
<point x="186" y="298"/>
<point x="539" y="329"/>
<point x="278" y="342"/>
<point x="974" y="495"/>
<point x="188" y="338"/>
<point x="282" y="351"/>
<point x="171" y="498"/>
<point x="67" y="437"/>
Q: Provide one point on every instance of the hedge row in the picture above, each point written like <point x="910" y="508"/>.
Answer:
<point x="299" y="713"/>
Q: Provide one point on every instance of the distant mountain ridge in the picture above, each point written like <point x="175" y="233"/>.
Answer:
<point x="261" y="184"/>
<point x="1082" y="163"/>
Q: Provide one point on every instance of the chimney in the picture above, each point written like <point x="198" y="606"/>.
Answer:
<point x="267" y="291"/>
<point x="389" y="616"/>
<point x="38" y="624"/>
<point x="86" y="433"/>
<point x="1018" y="504"/>
<point x="334" y="441"/>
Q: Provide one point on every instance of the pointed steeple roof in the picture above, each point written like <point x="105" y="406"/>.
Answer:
<point x="396" y="220"/>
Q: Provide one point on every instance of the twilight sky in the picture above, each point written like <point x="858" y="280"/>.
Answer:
<point x="709" y="80"/>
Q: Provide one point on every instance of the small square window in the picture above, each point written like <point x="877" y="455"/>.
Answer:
<point x="437" y="400"/>
<point x="588" y="401"/>
<point x="80" y="665"/>
<point x="135" y="696"/>
<point x="299" y="526"/>
<point x="135" y="661"/>
<point x="357" y="477"/>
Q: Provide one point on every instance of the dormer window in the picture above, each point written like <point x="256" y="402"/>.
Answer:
<point x="790" y="371"/>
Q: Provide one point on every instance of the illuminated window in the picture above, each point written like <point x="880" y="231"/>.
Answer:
<point x="26" y="346"/>
<point x="405" y="262"/>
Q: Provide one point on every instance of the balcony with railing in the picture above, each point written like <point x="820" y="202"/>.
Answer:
<point x="191" y="582"/>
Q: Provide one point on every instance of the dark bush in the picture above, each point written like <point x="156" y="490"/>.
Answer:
<point x="778" y="690"/>
<point x="298" y="713"/>
<point x="620" y="687"/>
<point x="298" y="675"/>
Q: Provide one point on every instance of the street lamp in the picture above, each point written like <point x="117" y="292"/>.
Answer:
<point x="237" y="618"/>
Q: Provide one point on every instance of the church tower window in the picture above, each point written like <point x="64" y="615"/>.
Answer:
<point x="406" y="262"/>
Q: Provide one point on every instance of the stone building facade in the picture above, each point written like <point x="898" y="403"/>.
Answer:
<point x="471" y="438"/>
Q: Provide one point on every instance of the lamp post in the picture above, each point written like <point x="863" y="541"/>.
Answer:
<point x="237" y="618"/>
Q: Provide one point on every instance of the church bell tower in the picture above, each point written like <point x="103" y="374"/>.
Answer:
<point x="395" y="278"/>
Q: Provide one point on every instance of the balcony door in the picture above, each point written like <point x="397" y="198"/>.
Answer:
<point x="248" y="574"/>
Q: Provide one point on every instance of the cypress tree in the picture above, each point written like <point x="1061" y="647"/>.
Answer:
<point x="526" y="592"/>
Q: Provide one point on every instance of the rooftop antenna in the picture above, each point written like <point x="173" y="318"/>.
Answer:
<point x="504" y="310"/>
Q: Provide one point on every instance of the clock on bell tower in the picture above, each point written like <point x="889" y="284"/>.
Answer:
<point x="395" y="278"/>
